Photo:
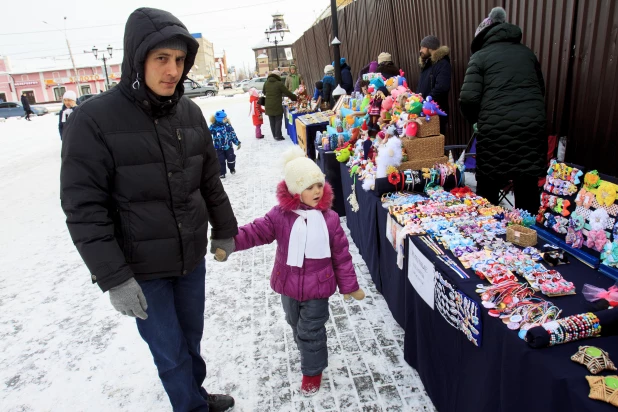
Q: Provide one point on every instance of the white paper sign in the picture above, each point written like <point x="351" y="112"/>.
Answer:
<point x="288" y="53"/>
<point x="421" y="274"/>
<point x="389" y="229"/>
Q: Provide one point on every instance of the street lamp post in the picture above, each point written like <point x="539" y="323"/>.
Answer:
<point x="79" y="87"/>
<point x="277" y="38"/>
<point x="104" y="59"/>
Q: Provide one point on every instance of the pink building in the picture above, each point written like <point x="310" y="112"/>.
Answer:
<point x="49" y="85"/>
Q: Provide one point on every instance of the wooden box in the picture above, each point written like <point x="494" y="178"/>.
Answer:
<point x="419" y="164"/>
<point x="301" y="135"/>
<point x="423" y="148"/>
<point x="428" y="128"/>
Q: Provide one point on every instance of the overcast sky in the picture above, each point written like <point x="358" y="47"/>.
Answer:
<point x="233" y="25"/>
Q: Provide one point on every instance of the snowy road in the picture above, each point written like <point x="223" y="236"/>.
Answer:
<point x="64" y="348"/>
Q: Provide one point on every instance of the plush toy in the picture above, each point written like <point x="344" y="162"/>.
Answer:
<point x="375" y="107"/>
<point x="365" y="104"/>
<point x="388" y="155"/>
<point x="343" y="155"/>
<point x="431" y="108"/>
<point x="402" y="80"/>
<point x="411" y="129"/>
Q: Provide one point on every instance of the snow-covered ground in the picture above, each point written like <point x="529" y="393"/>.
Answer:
<point x="64" y="348"/>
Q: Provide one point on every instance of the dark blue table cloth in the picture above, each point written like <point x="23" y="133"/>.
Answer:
<point x="328" y="164"/>
<point x="504" y="374"/>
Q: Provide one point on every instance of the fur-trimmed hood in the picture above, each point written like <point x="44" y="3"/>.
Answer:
<point x="439" y="54"/>
<point x="289" y="202"/>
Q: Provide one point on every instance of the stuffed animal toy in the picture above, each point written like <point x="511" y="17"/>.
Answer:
<point x="402" y="80"/>
<point x="388" y="155"/>
<point x="411" y="129"/>
<point x="343" y="155"/>
<point x="365" y="104"/>
<point x="431" y="108"/>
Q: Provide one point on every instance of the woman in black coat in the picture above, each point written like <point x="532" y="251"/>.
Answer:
<point x="503" y="93"/>
<point x="26" y="105"/>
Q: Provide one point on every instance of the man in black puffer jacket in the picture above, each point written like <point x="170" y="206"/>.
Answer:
<point x="503" y="92"/>
<point x="139" y="184"/>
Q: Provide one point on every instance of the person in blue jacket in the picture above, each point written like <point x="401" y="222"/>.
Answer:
<point x="223" y="136"/>
<point x="435" y="79"/>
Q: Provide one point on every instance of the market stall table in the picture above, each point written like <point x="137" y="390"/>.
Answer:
<point x="504" y="374"/>
<point x="327" y="162"/>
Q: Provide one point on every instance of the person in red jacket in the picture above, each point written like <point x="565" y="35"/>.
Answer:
<point x="256" y="112"/>
<point x="312" y="259"/>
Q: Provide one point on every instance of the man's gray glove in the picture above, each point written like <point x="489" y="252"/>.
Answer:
<point x="128" y="299"/>
<point x="222" y="248"/>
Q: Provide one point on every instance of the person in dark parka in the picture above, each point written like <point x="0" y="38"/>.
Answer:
<point x="435" y="78"/>
<point x="139" y="183"/>
<point x="347" y="81"/>
<point x="275" y="90"/>
<point x="503" y="93"/>
<point x="386" y="66"/>
<point x="26" y="105"/>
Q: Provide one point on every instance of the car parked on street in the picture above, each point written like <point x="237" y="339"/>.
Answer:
<point x="257" y="82"/>
<point x="194" y="89"/>
<point x="15" y="109"/>
<point x="241" y="83"/>
<point x="227" y="85"/>
<point x="83" y="98"/>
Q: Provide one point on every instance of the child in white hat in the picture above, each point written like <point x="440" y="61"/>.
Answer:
<point x="69" y="101"/>
<point x="312" y="259"/>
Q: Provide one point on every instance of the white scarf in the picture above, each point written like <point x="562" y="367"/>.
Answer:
<point x="309" y="238"/>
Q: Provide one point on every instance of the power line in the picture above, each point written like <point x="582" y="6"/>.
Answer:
<point x="123" y="23"/>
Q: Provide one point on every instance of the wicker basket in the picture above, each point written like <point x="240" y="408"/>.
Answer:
<point x="428" y="128"/>
<point x="521" y="235"/>
<point x="425" y="148"/>
<point x="419" y="164"/>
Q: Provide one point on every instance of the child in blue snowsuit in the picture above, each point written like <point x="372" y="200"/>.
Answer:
<point x="223" y="136"/>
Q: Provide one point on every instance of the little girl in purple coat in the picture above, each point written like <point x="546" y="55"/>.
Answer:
<point x="312" y="259"/>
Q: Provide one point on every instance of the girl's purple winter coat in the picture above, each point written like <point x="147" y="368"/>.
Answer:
<point x="318" y="278"/>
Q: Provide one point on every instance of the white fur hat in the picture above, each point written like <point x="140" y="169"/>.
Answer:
<point x="300" y="171"/>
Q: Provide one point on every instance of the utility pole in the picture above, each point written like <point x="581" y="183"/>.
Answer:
<point x="336" y="42"/>
<point x="79" y="86"/>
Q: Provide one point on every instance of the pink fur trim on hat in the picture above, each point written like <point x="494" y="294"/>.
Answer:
<point x="289" y="202"/>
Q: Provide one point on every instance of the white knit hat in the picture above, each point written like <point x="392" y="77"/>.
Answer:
<point x="329" y="69"/>
<point x="384" y="57"/>
<point x="69" y="94"/>
<point x="300" y="171"/>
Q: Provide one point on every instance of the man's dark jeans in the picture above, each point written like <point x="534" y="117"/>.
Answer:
<point x="173" y="332"/>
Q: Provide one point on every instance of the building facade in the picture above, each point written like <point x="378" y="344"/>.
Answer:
<point x="204" y="66"/>
<point x="49" y="85"/>
<point x="279" y="56"/>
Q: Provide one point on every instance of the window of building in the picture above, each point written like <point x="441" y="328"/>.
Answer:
<point x="2" y="97"/>
<point x="59" y="92"/>
<point x="86" y="90"/>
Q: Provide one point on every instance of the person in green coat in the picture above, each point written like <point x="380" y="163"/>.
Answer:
<point x="274" y="90"/>
<point x="294" y="79"/>
<point x="504" y="94"/>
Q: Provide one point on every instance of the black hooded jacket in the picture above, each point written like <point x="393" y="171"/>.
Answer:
<point x="139" y="180"/>
<point x="503" y="92"/>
